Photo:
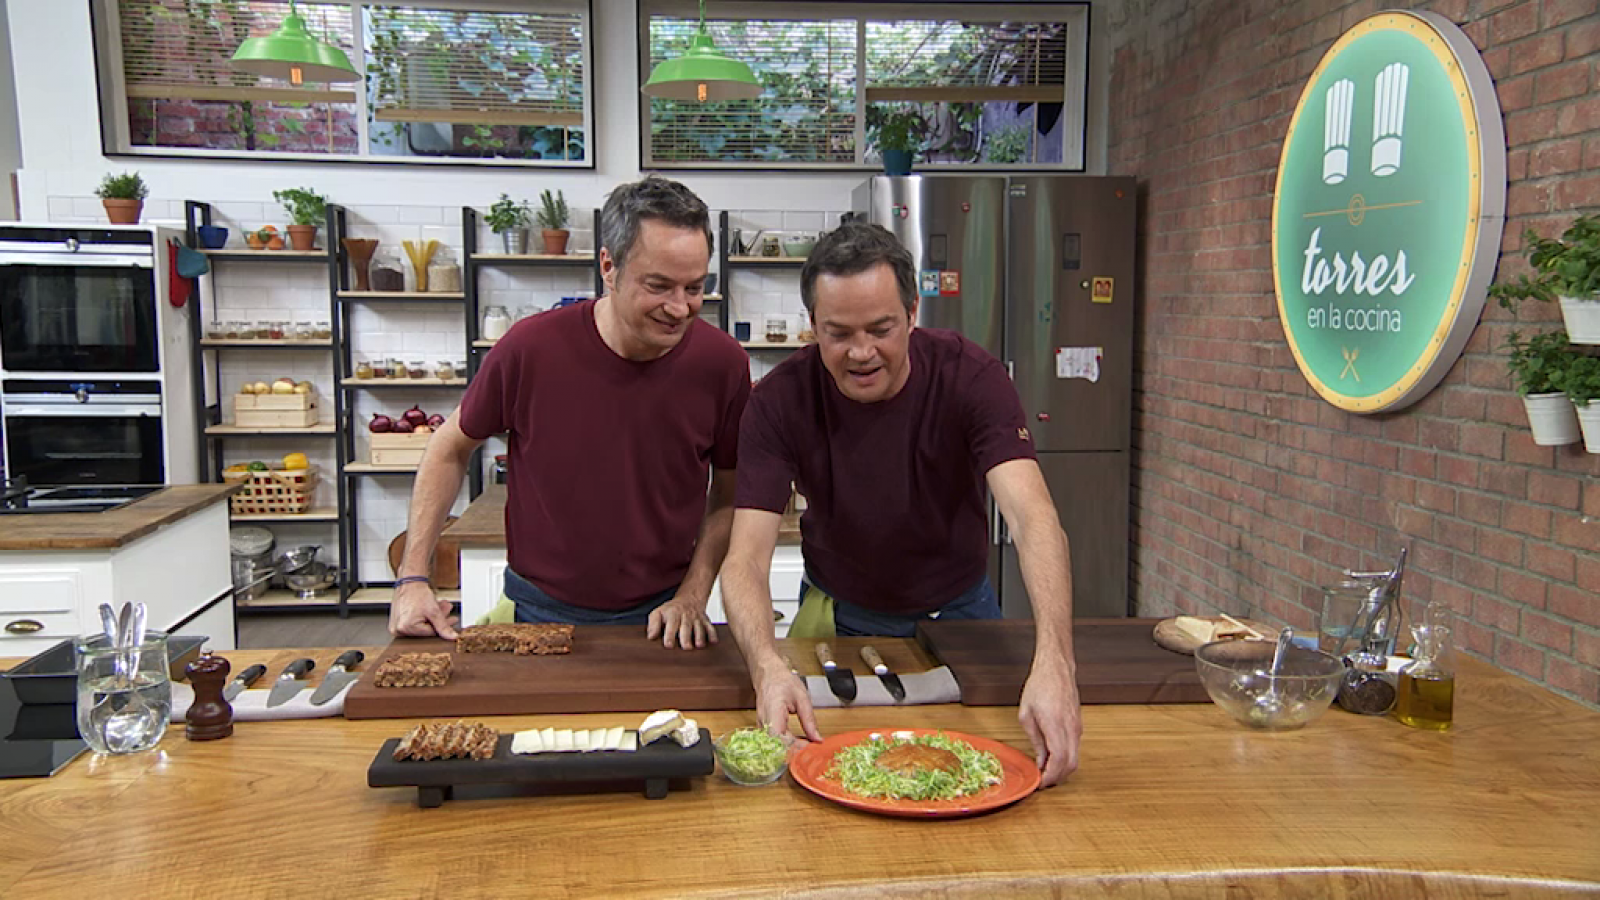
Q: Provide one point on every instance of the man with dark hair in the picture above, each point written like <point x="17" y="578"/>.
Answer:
<point x="894" y="434"/>
<point x="617" y="410"/>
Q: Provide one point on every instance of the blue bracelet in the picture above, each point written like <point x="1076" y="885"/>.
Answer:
<point x="413" y="579"/>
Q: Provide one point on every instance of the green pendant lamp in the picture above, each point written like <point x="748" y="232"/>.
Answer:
<point x="291" y="54"/>
<point x="702" y="74"/>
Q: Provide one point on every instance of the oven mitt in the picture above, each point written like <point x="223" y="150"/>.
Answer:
<point x="192" y="263"/>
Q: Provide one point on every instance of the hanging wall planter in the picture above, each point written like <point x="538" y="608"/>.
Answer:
<point x="1589" y="423"/>
<point x="1582" y="318"/>
<point x="1553" y="419"/>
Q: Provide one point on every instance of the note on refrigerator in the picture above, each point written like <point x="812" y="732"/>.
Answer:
<point x="1078" y="362"/>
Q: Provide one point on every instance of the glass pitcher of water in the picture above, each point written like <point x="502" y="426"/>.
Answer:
<point x="124" y="695"/>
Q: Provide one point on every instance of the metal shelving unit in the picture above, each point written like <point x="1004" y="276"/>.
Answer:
<point x="213" y="432"/>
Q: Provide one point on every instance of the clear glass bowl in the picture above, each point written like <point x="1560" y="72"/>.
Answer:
<point x="737" y="773"/>
<point x="1234" y="673"/>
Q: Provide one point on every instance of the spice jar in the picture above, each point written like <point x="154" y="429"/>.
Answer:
<point x="380" y="368"/>
<point x="444" y="276"/>
<point x="777" y="329"/>
<point x="232" y="331"/>
<point x="322" y="331"/>
<point x="364" y="370"/>
<point x="303" y="331"/>
<point x="496" y="322"/>
<point x="444" y="371"/>
<point x="397" y="368"/>
<point x="385" y="273"/>
<point x="277" y="331"/>
<point x="216" y="331"/>
<point x="419" y="369"/>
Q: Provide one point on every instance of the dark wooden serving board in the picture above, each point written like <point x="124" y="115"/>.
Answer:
<point x="1118" y="661"/>
<point x="657" y="766"/>
<point x="612" y="668"/>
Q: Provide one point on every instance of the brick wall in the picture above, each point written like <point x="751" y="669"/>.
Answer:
<point x="1250" y="490"/>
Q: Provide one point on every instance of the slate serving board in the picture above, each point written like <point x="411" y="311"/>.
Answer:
<point x="658" y="766"/>
<point x="1118" y="661"/>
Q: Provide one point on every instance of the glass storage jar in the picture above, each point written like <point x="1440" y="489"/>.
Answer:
<point x="386" y="273"/>
<point x="496" y="322"/>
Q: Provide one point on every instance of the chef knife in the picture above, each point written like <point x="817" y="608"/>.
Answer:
<point x="890" y="680"/>
<point x="243" y="680"/>
<point x="289" y="682"/>
<point x="841" y="680"/>
<point x="338" y="676"/>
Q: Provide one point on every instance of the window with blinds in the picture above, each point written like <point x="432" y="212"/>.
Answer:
<point x="181" y="91"/>
<point x="444" y="81"/>
<point x="471" y="83"/>
<point x="982" y="84"/>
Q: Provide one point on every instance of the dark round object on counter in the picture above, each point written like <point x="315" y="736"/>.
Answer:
<point x="1366" y="693"/>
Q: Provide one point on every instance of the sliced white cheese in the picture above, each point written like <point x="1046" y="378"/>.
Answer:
<point x="630" y="741"/>
<point x="614" y="738"/>
<point x="659" y="724"/>
<point x="564" y="740"/>
<point x="687" y="734"/>
<point x="904" y="735"/>
<point x="547" y="739"/>
<point x="526" y="742"/>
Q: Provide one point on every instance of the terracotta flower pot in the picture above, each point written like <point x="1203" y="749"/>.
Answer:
<point x="122" y="211"/>
<point x="555" y="242"/>
<point x="302" y="237"/>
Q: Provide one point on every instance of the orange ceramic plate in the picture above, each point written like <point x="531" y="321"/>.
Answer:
<point x="1020" y="777"/>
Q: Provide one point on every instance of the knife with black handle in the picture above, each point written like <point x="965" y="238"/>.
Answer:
<point x="289" y="682"/>
<point x="338" y="676"/>
<point x="243" y="680"/>
<point x="891" y="681"/>
<point x="841" y="680"/>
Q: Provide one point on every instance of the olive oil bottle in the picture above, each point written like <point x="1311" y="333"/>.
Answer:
<point x="1427" y="688"/>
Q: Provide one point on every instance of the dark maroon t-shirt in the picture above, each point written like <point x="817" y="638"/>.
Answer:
<point x="896" y="512"/>
<point x="609" y="458"/>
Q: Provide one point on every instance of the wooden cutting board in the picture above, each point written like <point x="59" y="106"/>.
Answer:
<point x="1118" y="661"/>
<point x="612" y="668"/>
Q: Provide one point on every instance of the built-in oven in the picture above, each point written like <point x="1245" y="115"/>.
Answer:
<point x="83" y="432"/>
<point x="78" y="300"/>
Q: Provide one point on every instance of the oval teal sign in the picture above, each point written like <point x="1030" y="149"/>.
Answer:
<point x="1388" y="211"/>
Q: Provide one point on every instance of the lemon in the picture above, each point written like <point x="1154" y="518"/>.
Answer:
<point x="296" y="461"/>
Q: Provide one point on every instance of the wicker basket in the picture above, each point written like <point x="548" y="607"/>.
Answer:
<point x="273" y="492"/>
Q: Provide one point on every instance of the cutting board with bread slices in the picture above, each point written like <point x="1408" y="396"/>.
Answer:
<point x="1185" y="634"/>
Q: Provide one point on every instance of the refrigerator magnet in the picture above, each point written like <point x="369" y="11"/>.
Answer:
<point x="928" y="282"/>
<point x="949" y="282"/>
<point x="1102" y="290"/>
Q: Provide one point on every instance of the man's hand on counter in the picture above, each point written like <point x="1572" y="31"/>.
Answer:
<point x="781" y="693"/>
<point x="416" y="612"/>
<point x="681" y="622"/>
<point x="1052" y="718"/>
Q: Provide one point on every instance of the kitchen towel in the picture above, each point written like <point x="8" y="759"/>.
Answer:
<point x="251" y="706"/>
<point x="933" y="686"/>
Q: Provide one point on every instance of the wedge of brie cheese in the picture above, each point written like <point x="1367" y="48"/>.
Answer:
<point x="687" y="734"/>
<point x="658" y="725"/>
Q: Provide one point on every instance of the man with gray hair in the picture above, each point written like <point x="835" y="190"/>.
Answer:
<point x="617" y="410"/>
<point x="894" y="434"/>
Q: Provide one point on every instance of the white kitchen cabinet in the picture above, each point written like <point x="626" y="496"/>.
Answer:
<point x="179" y="571"/>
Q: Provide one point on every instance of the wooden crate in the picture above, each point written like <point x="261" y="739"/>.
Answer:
<point x="275" y="410"/>
<point x="398" y="449"/>
<point x="273" y="492"/>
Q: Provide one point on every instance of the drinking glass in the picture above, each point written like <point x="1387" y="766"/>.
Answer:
<point x="124" y="696"/>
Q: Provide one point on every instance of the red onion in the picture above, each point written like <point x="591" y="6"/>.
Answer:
<point x="401" y="426"/>
<point x="435" y="420"/>
<point x="415" y="416"/>
<point x="381" y="423"/>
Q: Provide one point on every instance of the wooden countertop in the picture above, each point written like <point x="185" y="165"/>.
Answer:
<point x="114" y="528"/>
<point x="484" y="521"/>
<point x="1169" y="801"/>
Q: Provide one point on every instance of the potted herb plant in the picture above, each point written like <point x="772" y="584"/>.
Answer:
<point x="553" y="221"/>
<point x="1579" y="379"/>
<point x="511" y="221"/>
<point x="1536" y="365"/>
<point x="898" y="134"/>
<point x="123" y="197"/>
<point x="1566" y="270"/>
<point x="307" y="209"/>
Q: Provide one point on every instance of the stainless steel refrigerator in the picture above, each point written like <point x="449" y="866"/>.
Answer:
<point x="1039" y="270"/>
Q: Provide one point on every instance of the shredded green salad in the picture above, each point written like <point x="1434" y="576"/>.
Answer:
<point x="751" y="754"/>
<point x="855" y="768"/>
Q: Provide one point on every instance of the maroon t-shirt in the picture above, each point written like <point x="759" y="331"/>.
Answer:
<point x="609" y="458"/>
<point x="896" y="512"/>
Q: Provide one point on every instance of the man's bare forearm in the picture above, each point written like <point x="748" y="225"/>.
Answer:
<point x="438" y="481"/>
<point x="746" y="593"/>
<point x="1046" y="561"/>
<point x="712" y="547"/>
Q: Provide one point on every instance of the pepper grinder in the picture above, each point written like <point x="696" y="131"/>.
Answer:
<point x="210" y="717"/>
